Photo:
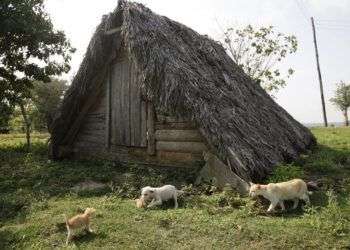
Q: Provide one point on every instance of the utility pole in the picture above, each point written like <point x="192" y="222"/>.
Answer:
<point x="319" y="74"/>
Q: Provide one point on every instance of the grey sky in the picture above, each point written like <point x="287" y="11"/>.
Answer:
<point x="301" y="98"/>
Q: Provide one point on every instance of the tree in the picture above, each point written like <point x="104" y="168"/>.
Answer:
<point x="258" y="51"/>
<point x="6" y="109"/>
<point x="30" y="49"/>
<point x="341" y="100"/>
<point x="46" y="99"/>
<point x="41" y="107"/>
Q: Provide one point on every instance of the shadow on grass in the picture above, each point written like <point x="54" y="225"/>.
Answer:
<point x="86" y="237"/>
<point x="61" y="227"/>
<point x="318" y="199"/>
<point x="8" y="239"/>
<point x="324" y="160"/>
<point x="11" y="208"/>
<point x="30" y="177"/>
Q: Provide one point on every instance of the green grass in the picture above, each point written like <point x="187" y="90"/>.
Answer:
<point x="35" y="193"/>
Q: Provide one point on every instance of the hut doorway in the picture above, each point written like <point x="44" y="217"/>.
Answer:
<point x="128" y="111"/>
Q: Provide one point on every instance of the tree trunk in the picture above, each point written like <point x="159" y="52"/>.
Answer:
<point x="346" y="121"/>
<point x="49" y="120"/>
<point x="27" y="124"/>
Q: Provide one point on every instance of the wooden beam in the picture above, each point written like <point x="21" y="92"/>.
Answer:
<point x="175" y="125"/>
<point x="178" y="157"/>
<point x="151" y="141"/>
<point x="191" y="147"/>
<point x="108" y="110"/>
<point x="113" y="31"/>
<point x="143" y="124"/>
<point x="167" y="119"/>
<point x="179" y="135"/>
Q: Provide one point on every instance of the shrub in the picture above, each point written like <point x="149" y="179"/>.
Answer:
<point x="285" y="173"/>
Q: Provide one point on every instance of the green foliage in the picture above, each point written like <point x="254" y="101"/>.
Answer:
<point x="341" y="99"/>
<point x="258" y="51"/>
<point x="41" y="108"/>
<point x="30" y="48"/>
<point x="330" y="219"/>
<point x="6" y="109"/>
<point x="285" y="173"/>
<point x="342" y="96"/>
<point x="46" y="100"/>
<point x="16" y="122"/>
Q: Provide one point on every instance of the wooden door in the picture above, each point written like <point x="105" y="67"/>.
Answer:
<point x="128" y="110"/>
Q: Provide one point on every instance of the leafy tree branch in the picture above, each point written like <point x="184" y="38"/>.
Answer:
<point x="259" y="51"/>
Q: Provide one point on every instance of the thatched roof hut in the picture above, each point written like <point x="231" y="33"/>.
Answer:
<point x="190" y="92"/>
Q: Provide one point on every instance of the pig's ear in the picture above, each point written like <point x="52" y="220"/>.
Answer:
<point x="251" y="183"/>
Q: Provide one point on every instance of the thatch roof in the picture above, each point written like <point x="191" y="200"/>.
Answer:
<point x="181" y="71"/>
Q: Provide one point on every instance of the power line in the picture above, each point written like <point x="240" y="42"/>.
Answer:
<point x="333" y="24"/>
<point x="333" y="29"/>
<point x="330" y="26"/>
<point x="303" y="12"/>
<point x="334" y="20"/>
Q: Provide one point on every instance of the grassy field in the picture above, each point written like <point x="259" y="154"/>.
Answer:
<point x="35" y="193"/>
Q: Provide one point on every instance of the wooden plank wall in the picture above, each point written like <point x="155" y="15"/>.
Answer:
<point x="178" y="140"/>
<point x="128" y="113"/>
<point x="119" y="121"/>
<point x="92" y="132"/>
<point x="138" y="130"/>
<point x="119" y="131"/>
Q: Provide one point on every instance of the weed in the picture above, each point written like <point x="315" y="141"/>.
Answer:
<point x="286" y="172"/>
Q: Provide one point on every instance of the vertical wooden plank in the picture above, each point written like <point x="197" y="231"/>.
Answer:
<point x="143" y="134"/>
<point x="120" y="114"/>
<point x="138" y="133"/>
<point x="135" y="108"/>
<point x="126" y="103"/>
<point x="117" y="100"/>
<point x="151" y="142"/>
<point x="115" y="104"/>
<point x="132" y="107"/>
<point x="113" y="107"/>
<point x="108" y="109"/>
<point x="119" y="108"/>
<point x="128" y="112"/>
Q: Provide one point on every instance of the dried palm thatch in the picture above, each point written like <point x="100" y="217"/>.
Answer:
<point x="183" y="72"/>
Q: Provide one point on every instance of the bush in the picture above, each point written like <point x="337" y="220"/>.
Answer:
<point x="285" y="173"/>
